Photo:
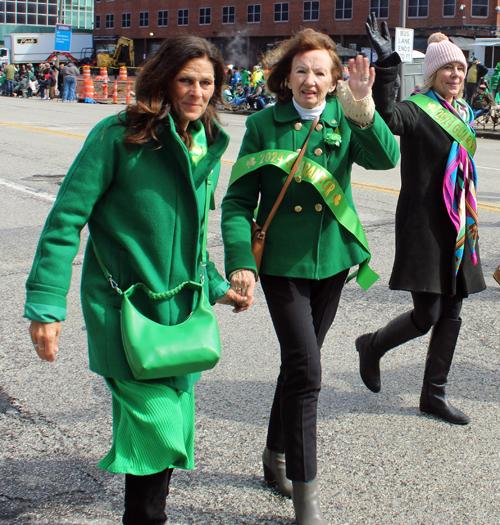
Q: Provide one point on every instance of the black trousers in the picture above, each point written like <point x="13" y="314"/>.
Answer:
<point x="302" y="311"/>
<point x="428" y="308"/>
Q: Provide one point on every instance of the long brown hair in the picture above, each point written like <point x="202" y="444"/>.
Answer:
<point x="147" y="118"/>
<point x="279" y="60"/>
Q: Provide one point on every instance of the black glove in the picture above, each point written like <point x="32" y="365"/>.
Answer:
<point x="380" y="41"/>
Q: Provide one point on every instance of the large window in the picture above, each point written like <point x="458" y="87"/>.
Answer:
<point x="144" y="19"/>
<point x="479" y="8"/>
<point x="311" y="11"/>
<point x="253" y="14"/>
<point x="343" y="9"/>
<point x="449" y="7"/>
<point x="380" y="8"/>
<point x="183" y="17"/>
<point x="205" y="16"/>
<point x="418" y="8"/>
<point x="97" y="23"/>
<point x="281" y="12"/>
<point x="162" y="18"/>
<point x="110" y="21"/>
<point x="228" y="14"/>
<point x="126" y="20"/>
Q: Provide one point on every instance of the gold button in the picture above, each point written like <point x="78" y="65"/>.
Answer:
<point x="299" y="150"/>
<point x="318" y="207"/>
<point x="298" y="126"/>
<point x="319" y="127"/>
<point x="298" y="209"/>
<point x="298" y="178"/>
<point x="334" y="122"/>
<point x="318" y="152"/>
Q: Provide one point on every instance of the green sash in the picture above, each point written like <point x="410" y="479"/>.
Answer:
<point x="457" y="128"/>
<point x="328" y="188"/>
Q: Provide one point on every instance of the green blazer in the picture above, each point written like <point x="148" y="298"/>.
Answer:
<point x="304" y="240"/>
<point x="144" y="207"/>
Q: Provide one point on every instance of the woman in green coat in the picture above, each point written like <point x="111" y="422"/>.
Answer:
<point x="314" y="238"/>
<point x="140" y="185"/>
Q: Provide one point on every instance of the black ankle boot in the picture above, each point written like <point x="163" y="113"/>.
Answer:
<point x="437" y="366"/>
<point x="145" y="498"/>
<point x="371" y="347"/>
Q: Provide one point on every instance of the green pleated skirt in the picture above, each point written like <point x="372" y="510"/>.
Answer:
<point x="153" y="428"/>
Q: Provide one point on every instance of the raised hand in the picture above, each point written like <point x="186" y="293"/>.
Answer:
<point x="361" y="77"/>
<point x="380" y="40"/>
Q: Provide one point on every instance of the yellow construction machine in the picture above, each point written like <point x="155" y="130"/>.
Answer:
<point x="122" y="55"/>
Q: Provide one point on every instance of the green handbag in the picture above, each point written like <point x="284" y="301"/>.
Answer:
<point x="157" y="351"/>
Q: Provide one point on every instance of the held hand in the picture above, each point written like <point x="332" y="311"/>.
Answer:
<point x="361" y="77"/>
<point x="379" y="40"/>
<point x="240" y="294"/>
<point x="45" y="339"/>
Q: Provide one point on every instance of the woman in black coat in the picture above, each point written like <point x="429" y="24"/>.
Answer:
<point x="437" y="254"/>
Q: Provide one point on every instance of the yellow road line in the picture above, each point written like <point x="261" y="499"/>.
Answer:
<point x="384" y="189"/>
<point x="43" y="130"/>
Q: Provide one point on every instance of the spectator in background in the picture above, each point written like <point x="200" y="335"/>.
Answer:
<point x="70" y="77"/>
<point x="474" y="76"/>
<point x="481" y="102"/>
<point x="52" y="82"/>
<point x="236" y="77"/>
<point x="10" y="75"/>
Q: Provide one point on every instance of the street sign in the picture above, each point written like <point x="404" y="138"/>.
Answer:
<point x="63" y="38"/>
<point x="404" y="43"/>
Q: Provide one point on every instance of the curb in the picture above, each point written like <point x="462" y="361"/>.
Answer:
<point x="488" y="134"/>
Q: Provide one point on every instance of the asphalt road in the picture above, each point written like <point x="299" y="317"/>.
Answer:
<point x="380" y="461"/>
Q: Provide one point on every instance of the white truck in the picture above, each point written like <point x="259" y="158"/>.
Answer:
<point x="24" y="48"/>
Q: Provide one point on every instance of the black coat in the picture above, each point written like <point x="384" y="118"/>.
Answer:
<point x="425" y="235"/>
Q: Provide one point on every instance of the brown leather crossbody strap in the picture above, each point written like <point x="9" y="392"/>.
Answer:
<point x="288" y="180"/>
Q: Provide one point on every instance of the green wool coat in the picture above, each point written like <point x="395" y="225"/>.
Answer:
<point x="305" y="240"/>
<point x="144" y="207"/>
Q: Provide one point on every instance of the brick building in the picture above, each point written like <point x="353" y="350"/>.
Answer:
<point x="243" y="30"/>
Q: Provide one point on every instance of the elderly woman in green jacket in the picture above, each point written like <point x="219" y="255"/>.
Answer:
<point x="140" y="185"/>
<point x="314" y="238"/>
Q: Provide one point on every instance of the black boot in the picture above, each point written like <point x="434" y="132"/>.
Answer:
<point x="372" y="347"/>
<point x="437" y="366"/>
<point x="145" y="498"/>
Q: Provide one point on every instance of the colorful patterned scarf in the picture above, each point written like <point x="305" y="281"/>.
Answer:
<point x="459" y="186"/>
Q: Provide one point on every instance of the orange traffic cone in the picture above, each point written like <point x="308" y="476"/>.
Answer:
<point x="128" y="92"/>
<point x="115" y="92"/>
<point x="123" y="73"/>
<point x="105" y="88"/>
<point x="103" y="72"/>
<point x="86" y="72"/>
<point x="88" y="89"/>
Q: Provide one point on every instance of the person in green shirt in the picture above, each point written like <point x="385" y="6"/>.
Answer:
<point x="140" y="185"/>
<point x="310" y="244"/>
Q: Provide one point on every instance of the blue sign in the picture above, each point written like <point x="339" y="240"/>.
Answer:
<point x="63" y="38"/>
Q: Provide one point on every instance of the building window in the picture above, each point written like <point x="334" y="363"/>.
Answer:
<point x="281" y="12"/>
<point x="97" y="23"/>
<point x="311" y="11"/>
<point x="343" y="9"/>
<point x="380" y="8"/>
<point x="479" y="8"/>
<point x="228" y="14"/>
<point x="418" y="8"/>
<point x="253" y="14"/>
<point x="126" y="20"/>
<point x="144" y="19"/>
<point x="205" y="16"/>
<point x="110" y="21"/>
<point x="449" y="7"/>
<point x="183" y="17"/>
<point x="162" y="18"/>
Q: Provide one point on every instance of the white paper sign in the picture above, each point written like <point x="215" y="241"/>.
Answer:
<point x="404" y="43"/>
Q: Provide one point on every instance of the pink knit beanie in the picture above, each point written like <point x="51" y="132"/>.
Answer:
<point x="441" y="51"/>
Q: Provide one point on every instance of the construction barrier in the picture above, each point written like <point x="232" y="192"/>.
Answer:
<point x="103" y="72"/>
<point x="86" y="72"/>
<point x="127" y="100"/>
<point x="105" y="89"/>
<point x="115" y="93"/>
<point x="88" y="90"/>
<point x="123" y="73"/>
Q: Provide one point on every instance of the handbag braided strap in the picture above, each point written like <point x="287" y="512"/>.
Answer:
<point x="161" y="295"/>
